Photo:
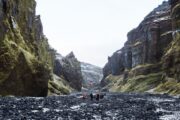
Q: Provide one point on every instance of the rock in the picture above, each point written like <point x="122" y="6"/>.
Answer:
<point x="58" y="86"/>
<point x="151" y="48"/>
<point x="171" y="60"/>
<point x="25" y="56"/>
<point x="58" y="69"/>
<point x="130" y="106"/>
<point x="145" y="43"/>
<point x="69" y="68"/>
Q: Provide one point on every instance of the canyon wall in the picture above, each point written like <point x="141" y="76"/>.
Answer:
<point x="25" y="55"/>
<point x="150" y="57"/>
<point x="69" y="68"/>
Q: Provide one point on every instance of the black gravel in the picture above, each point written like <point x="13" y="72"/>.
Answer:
<point x="114" y="106"/>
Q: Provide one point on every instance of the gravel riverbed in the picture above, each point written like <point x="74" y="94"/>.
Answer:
<point x="114" y="106"/>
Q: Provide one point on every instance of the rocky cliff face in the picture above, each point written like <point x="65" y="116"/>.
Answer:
<point x="171" y="59"/>
<point x="69" y="69"/>
<point x="145" y="44"/>
<point x="25" y="56"/>
<point x="91" y="75"/>
<point x="150" y="51"/>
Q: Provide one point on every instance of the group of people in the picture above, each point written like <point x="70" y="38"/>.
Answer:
<point x="97" y="96"/>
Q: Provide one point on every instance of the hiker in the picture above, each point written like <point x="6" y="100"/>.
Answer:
<point x="91" y="96"/>
<point x="97" y="96"/>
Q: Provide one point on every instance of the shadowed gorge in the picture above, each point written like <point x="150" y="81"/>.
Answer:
<point x="140" y="81"/>
<point x="148" y="62"/>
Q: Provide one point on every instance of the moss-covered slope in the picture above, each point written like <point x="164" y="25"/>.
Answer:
<point x="150" y="59"/>
<point x="25" y="56"/>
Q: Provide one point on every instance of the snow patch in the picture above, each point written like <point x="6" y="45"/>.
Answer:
<point x="94" y="104"/>
<point x="17" y="99"/>
<point x="158" y="100"/>
<point x="97" y="117"/>
<point x="57" y="110"/>
<point x="161" y="19"/>
<point x="109" y="113"/>
<point x="83" y="104"/>
<point x="34" y="111"/>
<point x="75" y="107"/>
<point x="160" y="12"/>
<point x="14" y="24"/>
<point x="60" y="118"/>
<point x="162" y="110"/>
<point x="37" y="98"/>
<point x="151" y="90"/>
<point x="174" y="116"/>
<point x="119" y="52"/>
<point x="45" y="109"/>
<point x="40" y="106"/>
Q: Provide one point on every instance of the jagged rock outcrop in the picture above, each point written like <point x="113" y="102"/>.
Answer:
<point x="25" y="56"/>
<point x="150" y="55"/>
<point x="69" y="69"/>
<point x="91" y="75"/>
<point x="171" y="59"/>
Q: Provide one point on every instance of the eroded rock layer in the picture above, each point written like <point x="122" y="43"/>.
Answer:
<point x="150" y="58"/>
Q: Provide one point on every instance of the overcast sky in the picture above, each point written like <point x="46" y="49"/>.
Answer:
<point x="92" y="29"/>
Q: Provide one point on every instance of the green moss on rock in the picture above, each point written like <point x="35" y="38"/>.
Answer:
<point x="23" y="72"/>
<point x="171" y="87"/>
<point x="142" y="83"/>
<point x="58" y="86"/>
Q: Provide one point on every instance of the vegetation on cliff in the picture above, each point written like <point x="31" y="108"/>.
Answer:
<point x="150" y="59"/>
<point x="26" y="59"/>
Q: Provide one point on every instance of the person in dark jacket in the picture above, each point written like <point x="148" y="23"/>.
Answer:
<point x="91" y="96"/>
<point x="97" y="96"/>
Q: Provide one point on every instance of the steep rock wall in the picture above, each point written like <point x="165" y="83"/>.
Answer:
<point x="69" y="68"/>
<point x="25" y="56"/>
<point x="145" y="44"/>
<point x="151" y="54"/>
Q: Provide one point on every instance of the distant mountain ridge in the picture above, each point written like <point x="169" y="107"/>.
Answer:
<point x="92" y="75"/>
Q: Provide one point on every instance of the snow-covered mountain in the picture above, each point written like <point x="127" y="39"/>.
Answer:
<point x="91" y="75"/>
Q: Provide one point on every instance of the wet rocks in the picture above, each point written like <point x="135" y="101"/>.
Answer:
<point x="113" y="106"/>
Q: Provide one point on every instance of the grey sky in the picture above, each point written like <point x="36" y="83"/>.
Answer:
<point x="92" y="29"/>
